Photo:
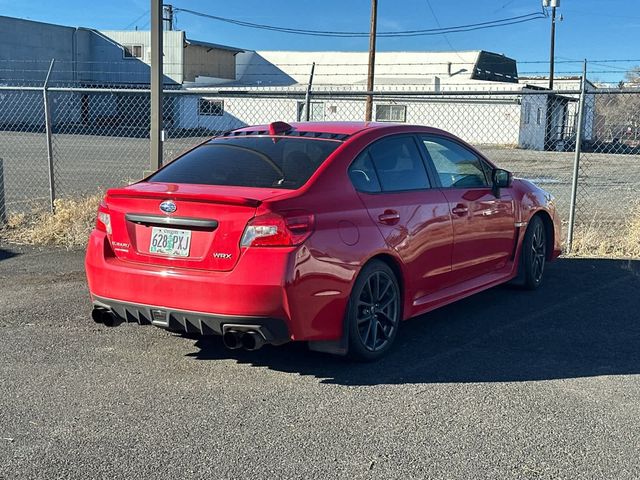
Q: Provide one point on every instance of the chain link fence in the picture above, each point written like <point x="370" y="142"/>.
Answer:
<point x="100" y="139"/>
<point x="608" y="201"/>
<point x="24" y="180"/>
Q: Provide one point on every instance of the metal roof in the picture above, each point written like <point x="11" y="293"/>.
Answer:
<point x="213" y="45"/>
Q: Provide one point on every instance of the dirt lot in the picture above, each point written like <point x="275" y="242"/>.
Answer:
<point x="506" y="384"/>
<point x="83" y="163"/>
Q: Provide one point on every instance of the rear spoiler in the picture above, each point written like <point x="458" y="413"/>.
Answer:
<point x="206" y="197"/>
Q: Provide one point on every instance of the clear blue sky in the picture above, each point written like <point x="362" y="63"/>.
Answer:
<point x="591" y="29"/>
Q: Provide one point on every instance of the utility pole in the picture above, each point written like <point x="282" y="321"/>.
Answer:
<point x="156" y="132"/>
<point x="167" y="17"/>
<point x="553" y="4"/>
<point x="372" y="59"/>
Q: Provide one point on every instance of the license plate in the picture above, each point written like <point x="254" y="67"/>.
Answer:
<point x="169" y="241"/>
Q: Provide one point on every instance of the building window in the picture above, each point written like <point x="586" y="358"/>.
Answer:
<point x="133" y="51"/>
<point x="316" y="114"/>
<point x="213" y="108"/>
<point x="391" y="113"/>
<point x="527" y="113"/>
<point x="539" y="116"/>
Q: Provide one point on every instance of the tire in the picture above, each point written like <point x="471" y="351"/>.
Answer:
<point x="374" y="312"/>
<point x="534" y="254"/>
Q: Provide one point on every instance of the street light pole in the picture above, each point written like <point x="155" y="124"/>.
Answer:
<point x="372" y="59"/>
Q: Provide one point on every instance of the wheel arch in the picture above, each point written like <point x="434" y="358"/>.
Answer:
<point x="549" y="230"/>
<point x="393" y="263"/>
<point x="340" y="346"/>
<point x="396" y="267"/>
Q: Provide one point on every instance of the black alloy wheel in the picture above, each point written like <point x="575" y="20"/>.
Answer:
<point x="534" y="253"/>
<point x="374" y="312"/>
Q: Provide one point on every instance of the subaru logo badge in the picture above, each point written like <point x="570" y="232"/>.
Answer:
<point x="168" y="206"/>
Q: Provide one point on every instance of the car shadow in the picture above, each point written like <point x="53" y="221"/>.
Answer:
<point x="583" y="322"/>
<point x="6" y="254"/>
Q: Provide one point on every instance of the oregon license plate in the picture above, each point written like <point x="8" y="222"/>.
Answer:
<point x="169" y="241"/>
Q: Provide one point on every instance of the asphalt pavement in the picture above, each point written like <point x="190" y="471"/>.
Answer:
<point x="505" y="384"/>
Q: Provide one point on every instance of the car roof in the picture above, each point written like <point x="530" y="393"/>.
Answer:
<point x="337" y="128"/>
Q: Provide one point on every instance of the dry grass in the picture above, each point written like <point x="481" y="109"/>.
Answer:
<point x="600" y="239"/>
<point x="73" y="220"/>
<point x="68" y="227"/>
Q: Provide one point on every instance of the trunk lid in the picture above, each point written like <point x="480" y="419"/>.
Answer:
<point x="205" y="221"/>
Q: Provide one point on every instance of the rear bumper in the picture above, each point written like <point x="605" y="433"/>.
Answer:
<point x="273" y="330"/>
<point x="254" y="289"/>
<point x="287" y="286"/>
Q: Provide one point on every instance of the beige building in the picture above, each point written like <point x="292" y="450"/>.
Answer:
<point x="185" y="60"/>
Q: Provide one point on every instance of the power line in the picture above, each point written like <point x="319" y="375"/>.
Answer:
<point x="136" y="20"/>
<point x="435" y="17"/>
<point x="402" y="33"/>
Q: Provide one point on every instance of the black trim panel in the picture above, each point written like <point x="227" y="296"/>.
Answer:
<point x="289" y="133"/>
<point x="274" y="330"/>
<point x="145" y="219"/>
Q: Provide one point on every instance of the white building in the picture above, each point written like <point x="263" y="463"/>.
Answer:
<point x="508" y="110"/>
<point x="564" y="111"/>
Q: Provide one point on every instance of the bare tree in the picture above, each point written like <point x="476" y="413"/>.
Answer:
<point x="633" y="76"/>
<point x="618" y="115"/>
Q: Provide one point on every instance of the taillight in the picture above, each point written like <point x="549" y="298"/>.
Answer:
<point x="103" y="220"/>
<point x="278" y="229"/>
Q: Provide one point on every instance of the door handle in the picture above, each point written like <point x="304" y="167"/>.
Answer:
<point x="389" y="217"/>
<point x="460" y="210"/>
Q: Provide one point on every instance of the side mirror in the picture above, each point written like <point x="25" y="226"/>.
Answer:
<point x="500" y="179"/>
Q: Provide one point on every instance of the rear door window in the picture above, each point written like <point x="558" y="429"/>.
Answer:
<point x="399" y="164"/>
<point x="263" y="162"/>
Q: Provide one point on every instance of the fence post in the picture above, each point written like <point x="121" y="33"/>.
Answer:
<point x="576" y="160"/>
<point x="307" y="100"/>
<point x="48" y="129"/>
<point x="157" y="82"/>
<point x="3" y="203"/>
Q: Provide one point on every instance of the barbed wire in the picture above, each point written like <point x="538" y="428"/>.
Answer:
<point x="319" y="64"/>
<point x="33" y="72"/>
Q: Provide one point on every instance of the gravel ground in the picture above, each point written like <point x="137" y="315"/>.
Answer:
<point x="506" y="384"/>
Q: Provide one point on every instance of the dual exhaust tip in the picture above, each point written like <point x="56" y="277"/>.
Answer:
<point x="232" y="338"/>
<point x="250" y="340"/>
<point x="104" y="316"/>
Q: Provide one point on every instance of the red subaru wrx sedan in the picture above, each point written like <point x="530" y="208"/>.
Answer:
<point x="329" y="233"/>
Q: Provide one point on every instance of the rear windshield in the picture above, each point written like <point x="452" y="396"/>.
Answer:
<point x="265" y="162"/>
